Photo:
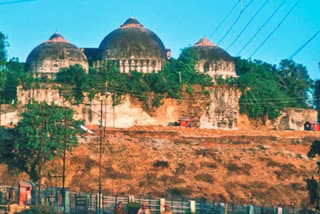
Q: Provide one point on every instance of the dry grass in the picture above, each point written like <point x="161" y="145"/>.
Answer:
<point x="252" y="166"/>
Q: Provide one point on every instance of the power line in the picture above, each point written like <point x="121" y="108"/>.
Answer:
<point x="307" y="42"/>
<point x="235" y="22"/>
<point x="264" y="24"/>
<point x="15" y="2"/>
<point x="254" y="16"/>
<point x="224" y="19"/>
<point x="284" y="18"/>
<point x="244" y="101"/>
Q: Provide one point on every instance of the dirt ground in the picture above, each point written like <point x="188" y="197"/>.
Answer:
<point x="250" y="165"/>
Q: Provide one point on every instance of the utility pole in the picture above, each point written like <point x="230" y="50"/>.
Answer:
<point x="40" y="155"/>
<point x="64" y="161"/>
<point x="100" y="157"/>
<point x="0" y="112"/>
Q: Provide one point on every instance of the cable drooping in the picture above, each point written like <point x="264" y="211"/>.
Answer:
<point x="15" y="2"/>
<point x="274" y="30"/>
<point x="307" y="42"/>
<point x="264" y="24"/>
<point x="254" y="16"/>
<point x="235" y="22"/>
<point x="224" y="19"/>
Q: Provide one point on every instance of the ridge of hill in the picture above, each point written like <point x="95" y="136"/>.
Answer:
<point x="261" y="167"/>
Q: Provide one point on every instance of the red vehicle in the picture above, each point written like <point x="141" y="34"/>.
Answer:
<point x="184" y="122"/>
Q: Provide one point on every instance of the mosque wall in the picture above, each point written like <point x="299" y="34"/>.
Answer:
<point x="127" y="65"/>
<point x="217" y="68"/>
<point x="294" y="119"/>
<point x="218" y="109"/>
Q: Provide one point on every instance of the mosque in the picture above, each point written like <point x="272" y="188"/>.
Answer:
<point x="134" y="47"/>
<point x="130" y="47"/>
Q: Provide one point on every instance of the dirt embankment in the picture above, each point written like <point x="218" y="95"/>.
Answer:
<point x="262" y="167"/>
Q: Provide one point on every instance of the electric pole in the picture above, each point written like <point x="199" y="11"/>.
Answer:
<point x="64" y="161"/>
<point x="100" y="156"/>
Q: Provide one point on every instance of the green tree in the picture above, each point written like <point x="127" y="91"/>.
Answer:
<point x="3" y="58"/>
<point x="294" y="80"/>
<point x="312" y="184"/>
<point x="15" y="76"/>
<point x="74" y="76"/>
<point x="12" y="74"/>
<point x="165" y="83"/>
<point x="3" y="51"/>
<point x="316" y="97"/>
<point x="39" y="138"/>
<point x="261" y="94"/>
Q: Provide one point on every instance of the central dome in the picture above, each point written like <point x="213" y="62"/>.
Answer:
<point x="132" y="41"/>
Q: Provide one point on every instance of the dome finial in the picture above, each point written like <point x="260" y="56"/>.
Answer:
<point x="204" y="41"/>
<point x="131" y="22"/>
<point x="56" y="37"/>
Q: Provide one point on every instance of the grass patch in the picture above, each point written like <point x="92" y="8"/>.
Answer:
<point x="164" y="164"/>
<point x="179" y="191"/>
<point x="208" y="165"/>
<point x="236" y="169"/>
<point x="204" y="177"/>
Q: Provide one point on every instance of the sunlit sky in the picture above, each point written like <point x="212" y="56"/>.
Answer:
<point x="179" y="23"/>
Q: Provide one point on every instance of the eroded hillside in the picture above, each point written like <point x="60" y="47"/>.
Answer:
<point x="248" y="166"/>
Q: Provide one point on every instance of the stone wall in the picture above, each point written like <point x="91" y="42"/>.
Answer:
<point x="219" y="68"/>
<point x="294" y="118"/>
<point x="140" y="65"/>
<point x="9" y="115"/>
<point x="218" y="108"/>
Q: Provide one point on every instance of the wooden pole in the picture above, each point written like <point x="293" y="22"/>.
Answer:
<point x="64" y="160"/>
<point x="100" y="157"/>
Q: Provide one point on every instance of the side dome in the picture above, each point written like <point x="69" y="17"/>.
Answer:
<point x="132" y="41"/>
<point x="213" y="60"/>
<point x="51" y="55"/>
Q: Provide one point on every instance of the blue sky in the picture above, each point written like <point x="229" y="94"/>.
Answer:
<point x="179" y="23"/>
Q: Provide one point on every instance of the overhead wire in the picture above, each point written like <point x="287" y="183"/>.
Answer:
<point x="245" y="27"/>
<point x="244" y="101"/>
<point x="305" y="44"/>
<point x="224" y="19"/>
<point x="274" y="30"/>
<point x="264" y="24"/>
<point x="235" y="22"/>
<point x="15" y="2"/>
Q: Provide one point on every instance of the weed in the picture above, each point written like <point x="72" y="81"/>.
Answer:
<point x="204" y="177"/>
<point x="208" y="165"/>
<point x="158" y="163"/>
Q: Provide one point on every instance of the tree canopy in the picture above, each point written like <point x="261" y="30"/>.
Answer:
<point x="267" y="89"/>
<point x="39" y="137"/>
<point x="165" y="83"/>
<point x="312" y="184"/>
<point x="316" y="97"/>
<point x="295" y="81"/>
<point x="12" y="74"/>
<point x="261" y="95"/>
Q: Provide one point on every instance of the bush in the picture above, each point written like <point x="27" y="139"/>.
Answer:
<point x="204" y="177"/>
<point x="158" y="163"/>
<point x="39" y="210"/>
<point x="234" y="168"/>
<point x="208" y="165"/>
<point x="180" y="192"/>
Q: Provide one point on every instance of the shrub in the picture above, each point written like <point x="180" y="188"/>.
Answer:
<point x="179" y="191"/>
<point x="158" y="163"/>
<point x="208" y="165"/>
<point x="40" y="210"/>
<point x="234" y="168"/>
<point x="204" y="177"/>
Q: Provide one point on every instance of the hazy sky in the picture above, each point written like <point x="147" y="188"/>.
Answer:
<point x="179" y="23"/>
